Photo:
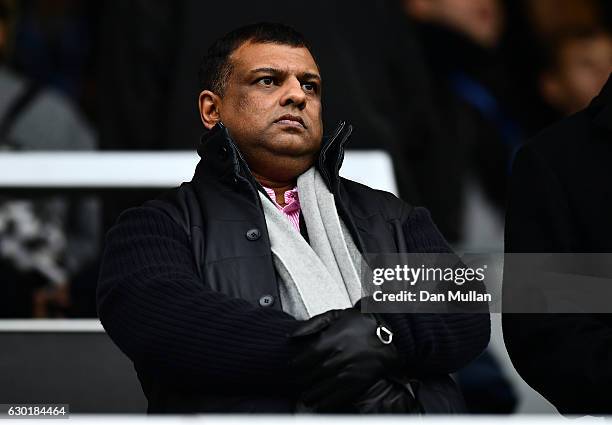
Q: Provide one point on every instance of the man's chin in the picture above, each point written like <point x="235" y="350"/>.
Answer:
<point x="283" y="160"/>
<point x="292" y="145"/>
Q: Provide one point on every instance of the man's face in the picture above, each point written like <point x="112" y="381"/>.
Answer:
<point x="584" y="66"/>
<point x="272" y="108"/>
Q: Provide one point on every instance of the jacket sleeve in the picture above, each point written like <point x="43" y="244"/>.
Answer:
<point x="565" y="357"/>
<point x="435" y="344"/>
<point x="173" y="326"/>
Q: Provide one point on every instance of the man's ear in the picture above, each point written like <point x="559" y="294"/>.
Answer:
<point x="209" y="104"/>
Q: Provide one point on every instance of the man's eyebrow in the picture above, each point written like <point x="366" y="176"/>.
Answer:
<point x="310" y="76"/>
<point x="277" y="71"/>
<point x="267" y="70"/>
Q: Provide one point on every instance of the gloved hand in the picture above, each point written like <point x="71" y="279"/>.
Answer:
<point x="388" y="396"/>
<point x="340" y="358"/>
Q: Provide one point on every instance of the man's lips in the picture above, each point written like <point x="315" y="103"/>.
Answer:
<point x="291" y="120"/>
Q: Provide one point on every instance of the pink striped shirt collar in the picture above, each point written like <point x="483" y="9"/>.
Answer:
<point x="292" y="205"/>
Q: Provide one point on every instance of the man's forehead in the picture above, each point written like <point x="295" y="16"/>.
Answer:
<point x="252" y="56"/>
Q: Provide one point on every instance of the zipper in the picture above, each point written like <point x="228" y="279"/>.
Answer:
<point x="326" y="148"/>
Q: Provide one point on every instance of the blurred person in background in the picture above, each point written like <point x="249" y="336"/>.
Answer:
<point x="479" y="20"/>
<point x="477" y="106"/>
<point x="54" y="44"/>
<point x="534" y="31"/>
<point x="462" y="173"/>
<point x="44" y="242"/>
<point x="578" y="65"/>
<point x="560" y="202"/>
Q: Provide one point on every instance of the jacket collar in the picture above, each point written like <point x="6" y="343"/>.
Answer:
<point x="221" y="158"/>
<point x="601" y="107"/>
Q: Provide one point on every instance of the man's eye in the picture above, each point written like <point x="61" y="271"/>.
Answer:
<point x="309" y="87"/>
<point x="266" y="81"/>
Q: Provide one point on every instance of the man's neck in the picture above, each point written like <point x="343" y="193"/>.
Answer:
<point x="279" y="188"/>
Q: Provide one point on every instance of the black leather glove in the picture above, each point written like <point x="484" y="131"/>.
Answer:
<point x="388" y="396"/>
<point x="340" y="358"/>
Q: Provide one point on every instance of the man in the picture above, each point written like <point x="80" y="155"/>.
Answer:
<point x="578" y="65"/>
<point x="236" y="291"/>
<point x="560" y="202"/>
<point x="463" y="170"/>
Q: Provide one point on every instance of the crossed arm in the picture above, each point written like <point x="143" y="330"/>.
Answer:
<point x="170" y="323"/>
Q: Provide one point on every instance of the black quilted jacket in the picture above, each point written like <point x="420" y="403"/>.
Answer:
<point x="189" y="292"/>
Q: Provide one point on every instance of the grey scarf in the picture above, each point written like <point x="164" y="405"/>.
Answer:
<point x="324" y="275"/>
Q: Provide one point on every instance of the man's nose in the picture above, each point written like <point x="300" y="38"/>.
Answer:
<point x="293" y="94"/>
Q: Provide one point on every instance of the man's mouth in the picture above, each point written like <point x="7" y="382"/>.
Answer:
<point x="291" y="120"/>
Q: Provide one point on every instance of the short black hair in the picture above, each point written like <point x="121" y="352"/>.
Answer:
<point x="216" y="66"/>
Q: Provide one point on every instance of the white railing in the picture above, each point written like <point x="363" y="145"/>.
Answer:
<point x="50" y="325"/>
<point x="133" y="170"/>
<point x="125" y="170"/>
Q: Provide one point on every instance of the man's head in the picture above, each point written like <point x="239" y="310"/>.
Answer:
<point x="578" y="65"/>
<point x="262" y="82"/>
<point x="480" y="20"/>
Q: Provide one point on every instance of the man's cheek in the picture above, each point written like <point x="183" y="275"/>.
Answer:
<point x="318" y="129"/>
<point x="243" y="102"/>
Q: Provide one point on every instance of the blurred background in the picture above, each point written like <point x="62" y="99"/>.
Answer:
<point x="448" y="88"/>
